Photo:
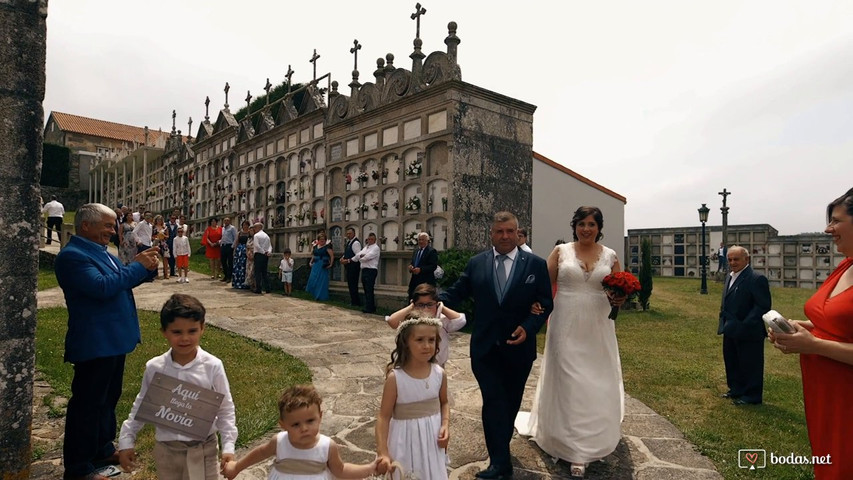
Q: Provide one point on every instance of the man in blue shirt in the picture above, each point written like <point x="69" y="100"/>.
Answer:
<point x="226" y="252"/>
<point x="102" y="329"/>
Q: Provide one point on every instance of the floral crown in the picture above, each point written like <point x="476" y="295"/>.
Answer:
<point x="417" y="320"/>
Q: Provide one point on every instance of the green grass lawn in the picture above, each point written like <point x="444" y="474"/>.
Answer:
<point x="255" y="400"/>
<point x="46" y="278"/>
<point x="672" y="361"/>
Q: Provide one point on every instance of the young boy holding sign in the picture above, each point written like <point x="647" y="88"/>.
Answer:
<point x="185" y="394"/>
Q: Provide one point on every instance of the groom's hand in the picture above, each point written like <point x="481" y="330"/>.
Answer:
<point x="518" y="336"/>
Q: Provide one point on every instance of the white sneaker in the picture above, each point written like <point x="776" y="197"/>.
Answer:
<point x="186" y="280"/>
<point x="180" y="280"/>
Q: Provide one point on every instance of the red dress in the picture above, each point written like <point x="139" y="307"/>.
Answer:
<point x="213" y="235"/>
<point x="828" y="384"/>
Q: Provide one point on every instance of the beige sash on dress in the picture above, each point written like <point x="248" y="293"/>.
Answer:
<point x="295" y="466"/>
<point x="424" y="408"/>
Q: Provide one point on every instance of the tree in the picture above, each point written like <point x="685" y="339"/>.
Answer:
<point x="645" y="273"/>
<point x="22" y="57"/>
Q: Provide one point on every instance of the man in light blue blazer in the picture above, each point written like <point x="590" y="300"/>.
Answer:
<point x="102" y="329"/>
<point x="504" y="282"/>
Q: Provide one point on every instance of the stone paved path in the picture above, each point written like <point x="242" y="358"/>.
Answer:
<point x="347" y="351"/>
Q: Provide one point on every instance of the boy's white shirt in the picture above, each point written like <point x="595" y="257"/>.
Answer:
<point x="286" y="265"/>
<point x="206" y="371"/>
<point x="181" y="246"/>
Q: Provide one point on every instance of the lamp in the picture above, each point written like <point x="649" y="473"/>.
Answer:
<point x="703" y="217"/>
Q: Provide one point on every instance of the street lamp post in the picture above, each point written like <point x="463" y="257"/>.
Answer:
<point x="703" y="217"/>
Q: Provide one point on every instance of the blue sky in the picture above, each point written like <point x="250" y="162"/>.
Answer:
<point x="665" y="102"/>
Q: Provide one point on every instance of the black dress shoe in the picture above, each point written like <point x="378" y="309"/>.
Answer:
<point x="368" y="311"/>
<point x="495" y="473"/>
<point x="740" y="401"/>
<point x="729" y="395"/>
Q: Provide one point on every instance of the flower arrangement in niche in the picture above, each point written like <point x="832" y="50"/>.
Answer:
<point x="414" y="168"/>
<point x="374" y="175"/>
<point x="375" y="206"/>
<point x="413" y="204"/>
<point x="362" y="176"/>
<point x="363" y="207"/>
<point x="410" y="239"/>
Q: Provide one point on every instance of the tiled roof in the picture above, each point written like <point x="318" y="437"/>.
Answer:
<point x="102" y="128"/>
<point x="578" y="176"/>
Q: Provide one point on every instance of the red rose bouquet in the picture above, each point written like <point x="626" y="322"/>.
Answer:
<point x="620" y="284"/>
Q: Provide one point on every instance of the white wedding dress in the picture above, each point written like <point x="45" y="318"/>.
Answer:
<point x="579" y="401"/>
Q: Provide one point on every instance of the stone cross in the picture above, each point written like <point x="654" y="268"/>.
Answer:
<point x="725" y="194"/>
<point x="267" y="87"/>
<point x="354" y="50"/>
<point x="314" y="61"/>
<point x="227" y="87"/>
<point x="725" y="211"/>
<point x="417" y="17"/>
<point x="190" y="127"/>
<point x="248" y="101"/>
<point x="288" y="75"/>
<point x="206" y="109"/>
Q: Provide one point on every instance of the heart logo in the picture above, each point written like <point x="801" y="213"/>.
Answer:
<point x="751" y="457"/>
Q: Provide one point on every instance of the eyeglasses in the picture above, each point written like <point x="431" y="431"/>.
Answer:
<point x="425" y="305"/>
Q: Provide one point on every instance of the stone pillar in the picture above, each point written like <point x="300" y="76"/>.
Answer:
<point x="22" y="59"/>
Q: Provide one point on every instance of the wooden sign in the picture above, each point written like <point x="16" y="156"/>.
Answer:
<point x="180" y="406"/>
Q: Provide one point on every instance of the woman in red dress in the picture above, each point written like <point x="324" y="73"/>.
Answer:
<point x="825" y="345"/>
<point x="210" y="239"/>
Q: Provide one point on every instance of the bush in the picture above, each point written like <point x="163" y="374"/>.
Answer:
<point x="645" y="273"/>
<point x="453" y="261"/>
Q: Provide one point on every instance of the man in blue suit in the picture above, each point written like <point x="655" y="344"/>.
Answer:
<point x="746" y="298"/>
<point x="504" y="282"/>
<point x="102" y="329"/>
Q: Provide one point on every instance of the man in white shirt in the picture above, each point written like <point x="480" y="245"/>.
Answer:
<point x="143" y="233"/>
<point x="55" y="213"/>
<point x="368" y="258"/>
<point x="263" y="250"/>
<point x="522" y="240"/>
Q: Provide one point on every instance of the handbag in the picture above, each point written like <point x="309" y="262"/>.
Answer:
<point x="439" y="272"/>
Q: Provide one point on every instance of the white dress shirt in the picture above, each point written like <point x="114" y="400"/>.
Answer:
<point x="526" y="248"/>
<point x="205" y="371"/>
<point x="368" y="256"/>
<point x="143" y="233"/>
<point x="53" y="209"/>
<point x="262" y="243"/>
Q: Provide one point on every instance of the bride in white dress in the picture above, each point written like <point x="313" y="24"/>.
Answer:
<point x="579" y="397"/>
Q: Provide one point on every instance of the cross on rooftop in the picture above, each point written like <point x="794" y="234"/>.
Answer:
<point x="354" y="50"/>
<point x="314" y="61"/>
<point x="417" y="18"/>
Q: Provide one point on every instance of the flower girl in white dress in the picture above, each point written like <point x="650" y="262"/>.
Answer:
<point x="412" y="425"/>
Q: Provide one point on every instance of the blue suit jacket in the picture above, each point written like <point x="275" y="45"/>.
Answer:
<point x="102" y="320"/>
<point x="495" y="321"/>
<point x="743" y="304"/>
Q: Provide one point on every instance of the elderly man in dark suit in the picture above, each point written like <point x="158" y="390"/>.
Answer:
<point x="102" y="329"/>
<point x="746" y="297"/>
<point x="504" y="282"/>
<point x="424" y="263"/>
